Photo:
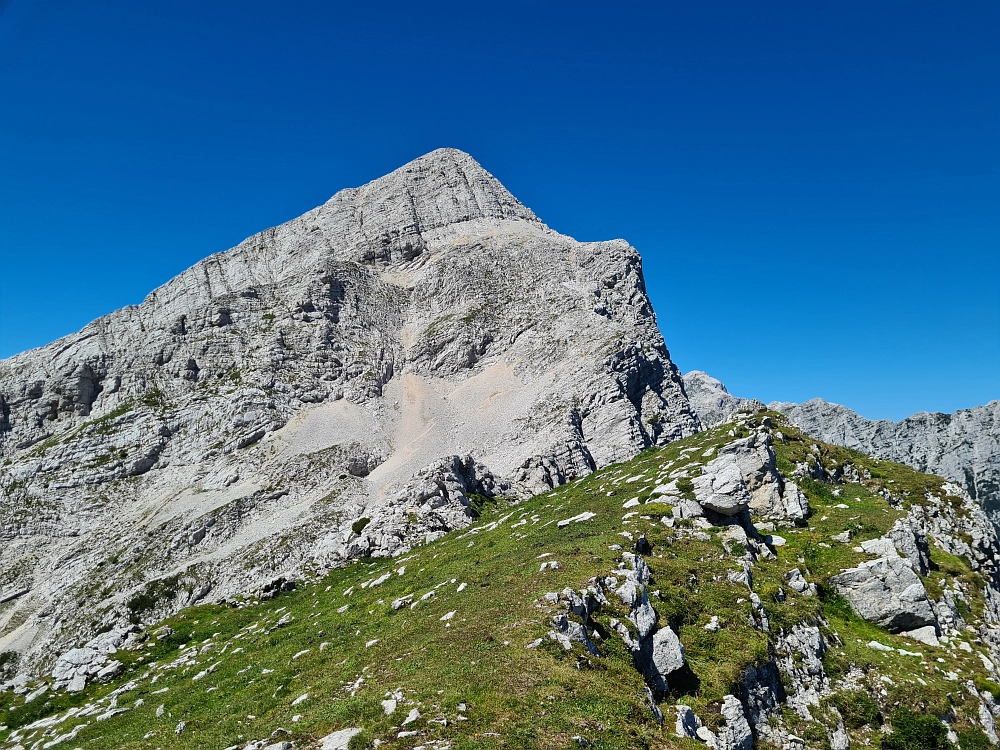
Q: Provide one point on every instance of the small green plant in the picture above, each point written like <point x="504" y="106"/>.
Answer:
<point x="155" y="592"/>
<point x="973" y="738"/>
<point x="857" y="708"/>
<point x="154" y="398"/>
<point x="358" y="526"/>
<point x="986" y="685"/>
<point x="478" y="503"/>
<point x="913" y="731"/>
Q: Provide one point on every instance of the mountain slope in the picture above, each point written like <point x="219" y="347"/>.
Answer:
<point x="515" y="632"/>
<point x="339" y="386"/>
<point x="963" y="446"/>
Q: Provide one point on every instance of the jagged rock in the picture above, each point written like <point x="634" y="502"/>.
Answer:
<point x="911" y="541"/>
<point x="800" y="658"/>
<point x="709" y="398"/>
<point x="888" y="593"/>
<point x="837" y="736"/>
<point x="963" y="446"/>
<point x="687" y="723"/>
<point x="73" y="669"/>
<point x="798" y="582"/>
<point x="946" y="610"/>
<point x="643" y="615"/>
<point x="735" y="734"/>
<point x="566" y="631"/>
<point x="767" y="494"/>
<point x="762" y="695"/>
<point x="658" y="657"/>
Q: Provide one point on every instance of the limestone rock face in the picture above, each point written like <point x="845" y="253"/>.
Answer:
<point x="270" y="408"/>
<point x="709" y="398"/>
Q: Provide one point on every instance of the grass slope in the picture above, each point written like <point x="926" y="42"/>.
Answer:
<point x="324" y="657"/>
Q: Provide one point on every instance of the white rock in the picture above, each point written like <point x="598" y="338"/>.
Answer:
<point x="339" y="740"/>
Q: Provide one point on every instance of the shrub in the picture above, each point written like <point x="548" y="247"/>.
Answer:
<point x="478" y="503"/>
<point x="358" y="526"/>
<point x="684" y="484"/>
<point x="150" y="597"/>
<point x="8" y="661"/>
<point x="857" y="708"/>
<point x="986" y="685"/>
<point x="154" y="398"/>
<point x="913" y="731"/>
<point x="973" y="738"/>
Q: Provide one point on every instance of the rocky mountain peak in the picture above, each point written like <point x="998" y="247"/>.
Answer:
<point x="343" y="385"/>
<point x="446" y="186"/>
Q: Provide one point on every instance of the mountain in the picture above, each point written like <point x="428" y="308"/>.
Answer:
<point x="414" y="470"/>
<point x="963" y="446"/>
<point x="710" y="399"/>
<point x="724" y="591"/>
<point x="347" y="384"/>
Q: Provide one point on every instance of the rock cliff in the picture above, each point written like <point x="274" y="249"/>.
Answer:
<point x="347" y="384"/>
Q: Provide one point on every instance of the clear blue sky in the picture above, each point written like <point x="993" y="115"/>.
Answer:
<point x="813" y="186"/>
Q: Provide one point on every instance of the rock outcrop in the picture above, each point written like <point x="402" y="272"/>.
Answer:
<point x="710" y="399"/>
<point x="268" y="410"/>
<point x="963" y="446"/>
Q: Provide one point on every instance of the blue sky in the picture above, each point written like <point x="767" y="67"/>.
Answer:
<point x="813" y="187"/>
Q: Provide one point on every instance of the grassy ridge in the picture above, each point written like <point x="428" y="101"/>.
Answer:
<point x="240" y="673"/>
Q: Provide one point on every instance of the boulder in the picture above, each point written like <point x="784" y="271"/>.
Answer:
<point x="565" y="631"/>
<point x="73" y="668"/>
<point x="109" y="671"/>
<point x="660" y="656"/>
<point x="910" y="541"/>
<point x="687" y="722"/>
<point x="798" y="582"/>
<point x="886" y="592"/>
<point x="721" y="488"/>
<point x="339" y="740"/>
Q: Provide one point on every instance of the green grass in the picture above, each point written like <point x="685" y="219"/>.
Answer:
<point x="518" y="697"/>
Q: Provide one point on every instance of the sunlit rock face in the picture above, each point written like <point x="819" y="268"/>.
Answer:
<point x="344" y="384"/>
